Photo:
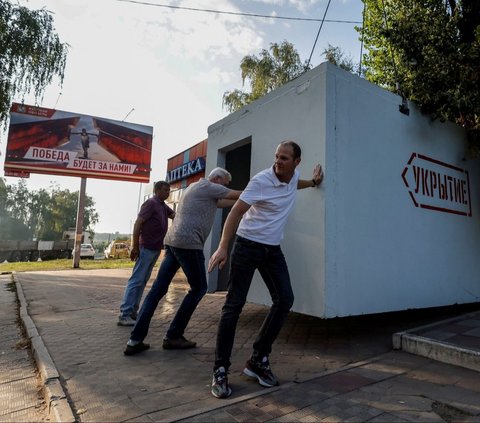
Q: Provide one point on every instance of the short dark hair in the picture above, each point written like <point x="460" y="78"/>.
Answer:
<point x="160" y="184"/>
<point x="297" y="151"/>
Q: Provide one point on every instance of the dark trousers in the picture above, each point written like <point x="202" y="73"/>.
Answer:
<point x="248" y="256"/>
<point x="192" y="263"/>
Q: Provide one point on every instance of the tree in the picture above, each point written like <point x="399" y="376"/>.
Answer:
<point x="17" y="201"/>
<point x="31" y="53"/>
<point x="42" y="214"/>
<point x="271" y="69"/>
<point x="61" y="213"/>
<point x="10" y="228"/>
<point x="431" y="49"/>
<point x="3" y="198"/>
<point x="336" y="56"/>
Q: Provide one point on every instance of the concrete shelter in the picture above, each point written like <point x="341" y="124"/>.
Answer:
<point x="396" y="223"/>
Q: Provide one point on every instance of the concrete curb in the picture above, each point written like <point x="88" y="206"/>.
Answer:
<point x="437" y="350"/>
<point x="59" y="408"/>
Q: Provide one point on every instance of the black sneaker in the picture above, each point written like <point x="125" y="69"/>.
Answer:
<point x="220" y="388"/>
<point x="178" y="344"/>
<point x="261" y="371"/>
<point x="135" y="349"/>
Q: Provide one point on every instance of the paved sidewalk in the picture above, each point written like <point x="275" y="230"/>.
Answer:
<point x="330" y="370"/>
<point x="21" y="398"/>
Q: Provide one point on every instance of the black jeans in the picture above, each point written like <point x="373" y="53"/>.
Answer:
<point x="248" y="256"/>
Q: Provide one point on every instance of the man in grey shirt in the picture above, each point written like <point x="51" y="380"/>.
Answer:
<point x="184" y="249"/>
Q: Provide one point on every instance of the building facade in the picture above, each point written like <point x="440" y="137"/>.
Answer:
<point x="184" y="169"/>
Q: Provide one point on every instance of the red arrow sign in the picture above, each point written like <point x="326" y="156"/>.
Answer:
<point x="436" y="185"/>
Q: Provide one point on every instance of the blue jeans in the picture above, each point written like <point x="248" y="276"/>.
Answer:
<point x="192" y="263"/>
<point x="137" y="282"/>
<point x="247" y="256"/>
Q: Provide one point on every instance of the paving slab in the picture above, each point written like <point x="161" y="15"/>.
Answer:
<point x="21" y="397"/>
<point x="330" y="370"/>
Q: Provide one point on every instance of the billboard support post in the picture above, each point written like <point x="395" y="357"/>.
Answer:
<point x="139" y="197"/>
<point x="79" y="227"/>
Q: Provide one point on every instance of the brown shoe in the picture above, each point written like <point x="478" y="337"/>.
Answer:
<point x="178" y="344"/>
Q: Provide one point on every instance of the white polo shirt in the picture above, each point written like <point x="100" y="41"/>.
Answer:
<point x="271" y="202"/>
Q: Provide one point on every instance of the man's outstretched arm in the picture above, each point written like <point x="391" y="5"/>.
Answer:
<point x="229" y="199"/>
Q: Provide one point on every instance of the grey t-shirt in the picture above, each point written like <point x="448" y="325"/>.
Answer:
<point x="194" y="217"/>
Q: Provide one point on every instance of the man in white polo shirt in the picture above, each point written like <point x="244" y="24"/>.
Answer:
<point x="258" y="218"/>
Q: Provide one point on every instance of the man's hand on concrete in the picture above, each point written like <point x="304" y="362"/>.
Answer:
<point x="318" y="174"/>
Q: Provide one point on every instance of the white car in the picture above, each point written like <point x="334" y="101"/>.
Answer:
<point x="87" y="251"/>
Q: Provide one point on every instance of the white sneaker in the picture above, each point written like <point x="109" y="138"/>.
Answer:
<point x="126" y="321"/>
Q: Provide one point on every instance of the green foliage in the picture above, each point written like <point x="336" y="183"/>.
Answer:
<point x="42" y="214"/>
<point x="432" y="49"/>
<point x="100" y="246"/>
<point x="271" y="69"/>
<point x="336" y="56"/>
<point x="3" y="198"/>
<point x="31" y="53"/>
<point x="11" y="227"/>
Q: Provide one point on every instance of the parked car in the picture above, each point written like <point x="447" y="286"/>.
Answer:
<point x="87" y="251"/>
<point x="117" y="250"/>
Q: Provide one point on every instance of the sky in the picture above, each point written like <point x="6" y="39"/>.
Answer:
<point x="168" y="68"/>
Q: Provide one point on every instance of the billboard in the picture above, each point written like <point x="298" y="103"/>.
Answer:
<point x="56" y="142"/>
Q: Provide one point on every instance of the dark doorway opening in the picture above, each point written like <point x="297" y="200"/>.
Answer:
<point x="237" y="162"/>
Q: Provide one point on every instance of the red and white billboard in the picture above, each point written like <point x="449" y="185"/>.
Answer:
<point x="56" y="142"/>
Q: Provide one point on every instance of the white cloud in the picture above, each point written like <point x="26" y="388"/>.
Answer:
<point x="303" y="5"/>
<point x="205" y="37"/>
<point x="214" y="76"/>
<point x="300" y="5"/>
<point x="274" y="2"/>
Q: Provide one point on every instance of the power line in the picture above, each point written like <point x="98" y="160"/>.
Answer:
<point x="318" y="33"/>
<point x="361" y="45"/>
<point x="251" y="15"/>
